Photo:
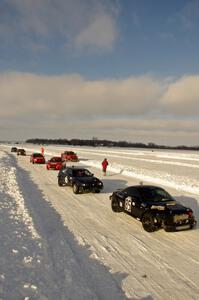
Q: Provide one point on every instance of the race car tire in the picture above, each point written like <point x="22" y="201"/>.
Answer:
<point x="169" y="229"/>
<point x="60" y="183"/>
<point x="115" y="206"/>
<point x="75" y="189"/>
<point x="148" y="223"/>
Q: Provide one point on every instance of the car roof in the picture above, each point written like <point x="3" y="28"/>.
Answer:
<point x="75" y="168"/>
<point x="68" y="151"/>
<point x="144" y="186"/>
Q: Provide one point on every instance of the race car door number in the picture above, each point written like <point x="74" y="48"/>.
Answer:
<point x="128" y="204"/>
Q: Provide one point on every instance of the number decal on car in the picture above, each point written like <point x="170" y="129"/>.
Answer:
<point x="127" y="204"/>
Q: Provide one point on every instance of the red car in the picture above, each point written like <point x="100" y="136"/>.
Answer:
<point x="37" y="158"/>
<point x="69" y="155"/>
<point x="54" y="163"/>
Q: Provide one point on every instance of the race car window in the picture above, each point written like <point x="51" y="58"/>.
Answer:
<point x="37" y="155"/>
<point x="87" y="173"/>
<point x="64" y="171"/>
<point x="70" y="172"/>
<point x="131" y="191"/>
<point x="154" y="195"/>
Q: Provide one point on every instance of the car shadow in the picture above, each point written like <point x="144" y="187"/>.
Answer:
<point x="111" y="185"/>
<point x="192" y="203"/>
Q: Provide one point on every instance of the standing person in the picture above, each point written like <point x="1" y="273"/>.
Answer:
<point x="104" y="166"/>
<point x="42" y="150"/>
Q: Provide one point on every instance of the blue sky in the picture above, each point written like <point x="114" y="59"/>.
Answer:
<point x="107" y="68"/>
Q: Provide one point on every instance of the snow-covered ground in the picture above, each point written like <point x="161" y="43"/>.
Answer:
<point x="57" y="245"/>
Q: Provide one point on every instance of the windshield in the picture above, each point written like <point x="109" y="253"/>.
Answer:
<point x="56" y="159"/>
<point x="82" y="173"/>
<point x="37" y="155"/>
<point x="153" y="194"/>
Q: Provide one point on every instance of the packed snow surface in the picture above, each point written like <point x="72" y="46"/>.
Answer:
<point x="58" y="245"/>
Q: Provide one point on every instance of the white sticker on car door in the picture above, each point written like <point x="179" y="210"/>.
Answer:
<point x="128" y="204"/>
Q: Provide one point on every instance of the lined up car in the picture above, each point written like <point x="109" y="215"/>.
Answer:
<point x="14" y="149"/>
<point x="80" y="179"/>
<point x="21" y="152"/>
<point x="54" y="163"/>
<point x="37" y="158"/>
<point x="154" y="207"/>
<point x="69" y="155"/>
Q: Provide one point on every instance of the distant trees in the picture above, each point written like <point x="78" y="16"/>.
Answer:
<point x="95" y="142"/>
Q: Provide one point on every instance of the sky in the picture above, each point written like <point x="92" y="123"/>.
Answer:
<point x="111" y="69"/>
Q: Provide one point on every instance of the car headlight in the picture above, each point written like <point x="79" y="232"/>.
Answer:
<point x="83" y="184"/>
<point x="99" y="183"/>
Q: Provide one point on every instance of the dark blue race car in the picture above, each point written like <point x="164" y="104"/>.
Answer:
<point x="154" y="207"/>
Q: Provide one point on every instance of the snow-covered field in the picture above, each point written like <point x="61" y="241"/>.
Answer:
<point x="57" y="245"/>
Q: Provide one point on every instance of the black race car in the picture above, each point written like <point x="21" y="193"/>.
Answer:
<point x="21" y="152"/>
<point x="81" y="180"/>
<point x="14" y="149"/>
<point x="154" y="207"/>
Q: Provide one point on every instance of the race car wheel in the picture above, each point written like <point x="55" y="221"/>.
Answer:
<point x="148" y="223"/>
<point x="97" y="191"/>
<point x="169" y="229"/>
<point x="75" y="189"/>
<point x="60" y="183"/>
<point x="115" y="205"/>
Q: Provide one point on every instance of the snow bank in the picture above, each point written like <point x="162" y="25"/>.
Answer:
<point x="181" y="183"/>
<point x="15" y="201"/>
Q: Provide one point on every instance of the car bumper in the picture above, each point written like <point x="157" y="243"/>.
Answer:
<point x="39" y="162"/>
<point x="91" y="188"/>
<point x="54" y="167"/>
<point x="189" y="224"/>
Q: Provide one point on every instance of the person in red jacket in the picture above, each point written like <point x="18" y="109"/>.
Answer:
<point x="42" y="150"/>
<point x="104" y="166"/>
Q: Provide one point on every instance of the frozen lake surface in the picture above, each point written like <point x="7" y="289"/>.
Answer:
<point x="58" y="245"/>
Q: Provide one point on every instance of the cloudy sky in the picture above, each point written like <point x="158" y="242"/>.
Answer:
<point x="112" y="69"/>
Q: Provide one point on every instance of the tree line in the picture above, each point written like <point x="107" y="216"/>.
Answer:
<point x="95" y="142"/>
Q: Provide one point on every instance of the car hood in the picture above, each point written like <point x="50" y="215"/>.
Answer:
<point x="87" y="179"/>
<point x="168" y="205"/>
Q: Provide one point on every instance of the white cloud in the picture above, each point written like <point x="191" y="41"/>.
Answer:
<point x="189" y="14"/>
<point x="182" y="97"/>
<point x="75" y="96"/>
<point x="134" y="109"/>
<point x="101" y="33"/>
<point x="187" y="17"/>
<point x="76" y="22"/>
